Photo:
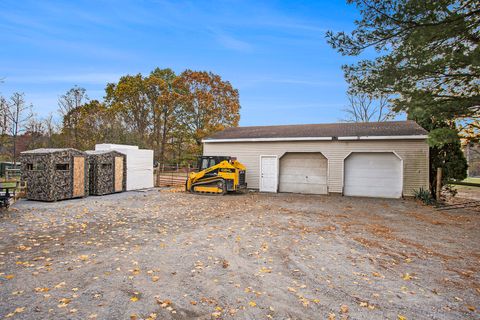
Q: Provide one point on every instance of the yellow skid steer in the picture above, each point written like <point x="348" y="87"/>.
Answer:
<point x="217" y="175"/>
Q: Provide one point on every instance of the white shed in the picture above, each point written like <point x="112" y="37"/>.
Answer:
<point x="139" y="164"/>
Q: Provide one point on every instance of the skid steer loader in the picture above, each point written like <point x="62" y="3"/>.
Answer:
<point x="217" y="175"/>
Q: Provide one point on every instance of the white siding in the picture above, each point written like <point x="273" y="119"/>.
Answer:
<point x="414" y="154"/>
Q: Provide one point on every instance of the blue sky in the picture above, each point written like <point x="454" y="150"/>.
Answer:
<point x="273" y="52"/>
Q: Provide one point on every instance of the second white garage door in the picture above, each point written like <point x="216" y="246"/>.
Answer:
<point x="373" y="175"/>
<point x="303" y="173"/>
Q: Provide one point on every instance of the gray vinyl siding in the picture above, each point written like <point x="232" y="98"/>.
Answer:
<point x="414" y="154"/>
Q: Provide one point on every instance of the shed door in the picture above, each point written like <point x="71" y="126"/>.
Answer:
<point x="118" y="174"/>
<point x="373" y="175"/>
<point x="78" y="177"/>
<point x="303" y="173"/>
<point x="268" y="173"/>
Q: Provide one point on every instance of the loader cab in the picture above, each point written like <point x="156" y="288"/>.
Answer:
<point x="205" y="162"/>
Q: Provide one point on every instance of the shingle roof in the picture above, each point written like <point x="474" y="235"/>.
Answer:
<point x="391" y="128"/>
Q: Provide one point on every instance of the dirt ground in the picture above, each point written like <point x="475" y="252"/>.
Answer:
<point x="171" y="255"/>
<point x="466" y="192"/>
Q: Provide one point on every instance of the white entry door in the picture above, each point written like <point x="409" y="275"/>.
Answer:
<point x="375" y="174"/>
<point x="268" y="173"/>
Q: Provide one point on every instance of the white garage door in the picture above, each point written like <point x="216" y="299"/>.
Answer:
<point x="373" y="175"/>
<point x="303" y="173"/>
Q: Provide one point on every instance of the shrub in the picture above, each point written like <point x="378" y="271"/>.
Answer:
<point x="424" y="195"/>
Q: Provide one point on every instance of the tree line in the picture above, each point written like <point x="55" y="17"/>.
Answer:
<point x="164" y="111"/>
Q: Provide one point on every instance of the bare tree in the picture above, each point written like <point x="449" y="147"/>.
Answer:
<point x="4" y="120"/>
<point x="19" y="114"/>
<point x="51" y="127"/>
<point x="366" y="108"/>
<point x="35" y="128"/>
<point x="67" y="103"/>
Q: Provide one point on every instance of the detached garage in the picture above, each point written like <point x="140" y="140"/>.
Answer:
<point x="385" y="159"/>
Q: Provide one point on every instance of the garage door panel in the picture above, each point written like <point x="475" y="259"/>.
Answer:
<point x="377" y="192"/>
<point x="302" y="179"/>
<point x="303" y="173"/>
<point x="373" y="175"/>
<point x="306" y="188"/>
<point x="316" y="163"/>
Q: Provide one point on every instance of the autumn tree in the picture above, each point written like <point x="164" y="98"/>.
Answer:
<point x="428" y="62"/>
<point x="164" y="92"/>
<point x="128" y="99"/>
<point x="91" y="124"/>
<point x="210" y="104"/>
<point x="67" y="103"/>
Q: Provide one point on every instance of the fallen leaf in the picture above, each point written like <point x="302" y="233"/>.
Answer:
<point x="19" y="310"/>
<point x="344" y="308"/>
<point x="152" y="316"/>
<point x="400" y="317"/>
<point x="134" y="299"/>
<point x="265" y="270"/>
<point x="406" y="276"/>
<point x="252" y="304"/>
<point x="9" y="276"/>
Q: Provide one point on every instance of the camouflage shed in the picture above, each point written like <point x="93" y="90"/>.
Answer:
<point x="107" y="172"/>
<point x="55" y="174"/>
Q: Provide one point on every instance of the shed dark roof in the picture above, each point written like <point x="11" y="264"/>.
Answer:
<point x="391" y="128"/>
<point x="50" y="150"/>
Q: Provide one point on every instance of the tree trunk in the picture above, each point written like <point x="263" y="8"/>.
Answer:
<point x="439" y="183"/>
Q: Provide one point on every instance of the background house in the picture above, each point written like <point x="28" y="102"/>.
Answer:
<point x="376" y="159"/>
<point x="472" y="153"/>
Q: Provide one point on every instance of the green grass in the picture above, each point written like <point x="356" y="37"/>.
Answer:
<point x="472" y="180"/>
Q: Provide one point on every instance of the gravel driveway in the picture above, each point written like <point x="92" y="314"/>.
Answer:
<point x="172" y="255"/>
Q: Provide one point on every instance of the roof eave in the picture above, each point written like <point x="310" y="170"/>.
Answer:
<point x="343" y="138"/>
<point x="268" y="139"/>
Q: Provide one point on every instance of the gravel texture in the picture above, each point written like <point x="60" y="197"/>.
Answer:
<point x="162" y="254"/>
